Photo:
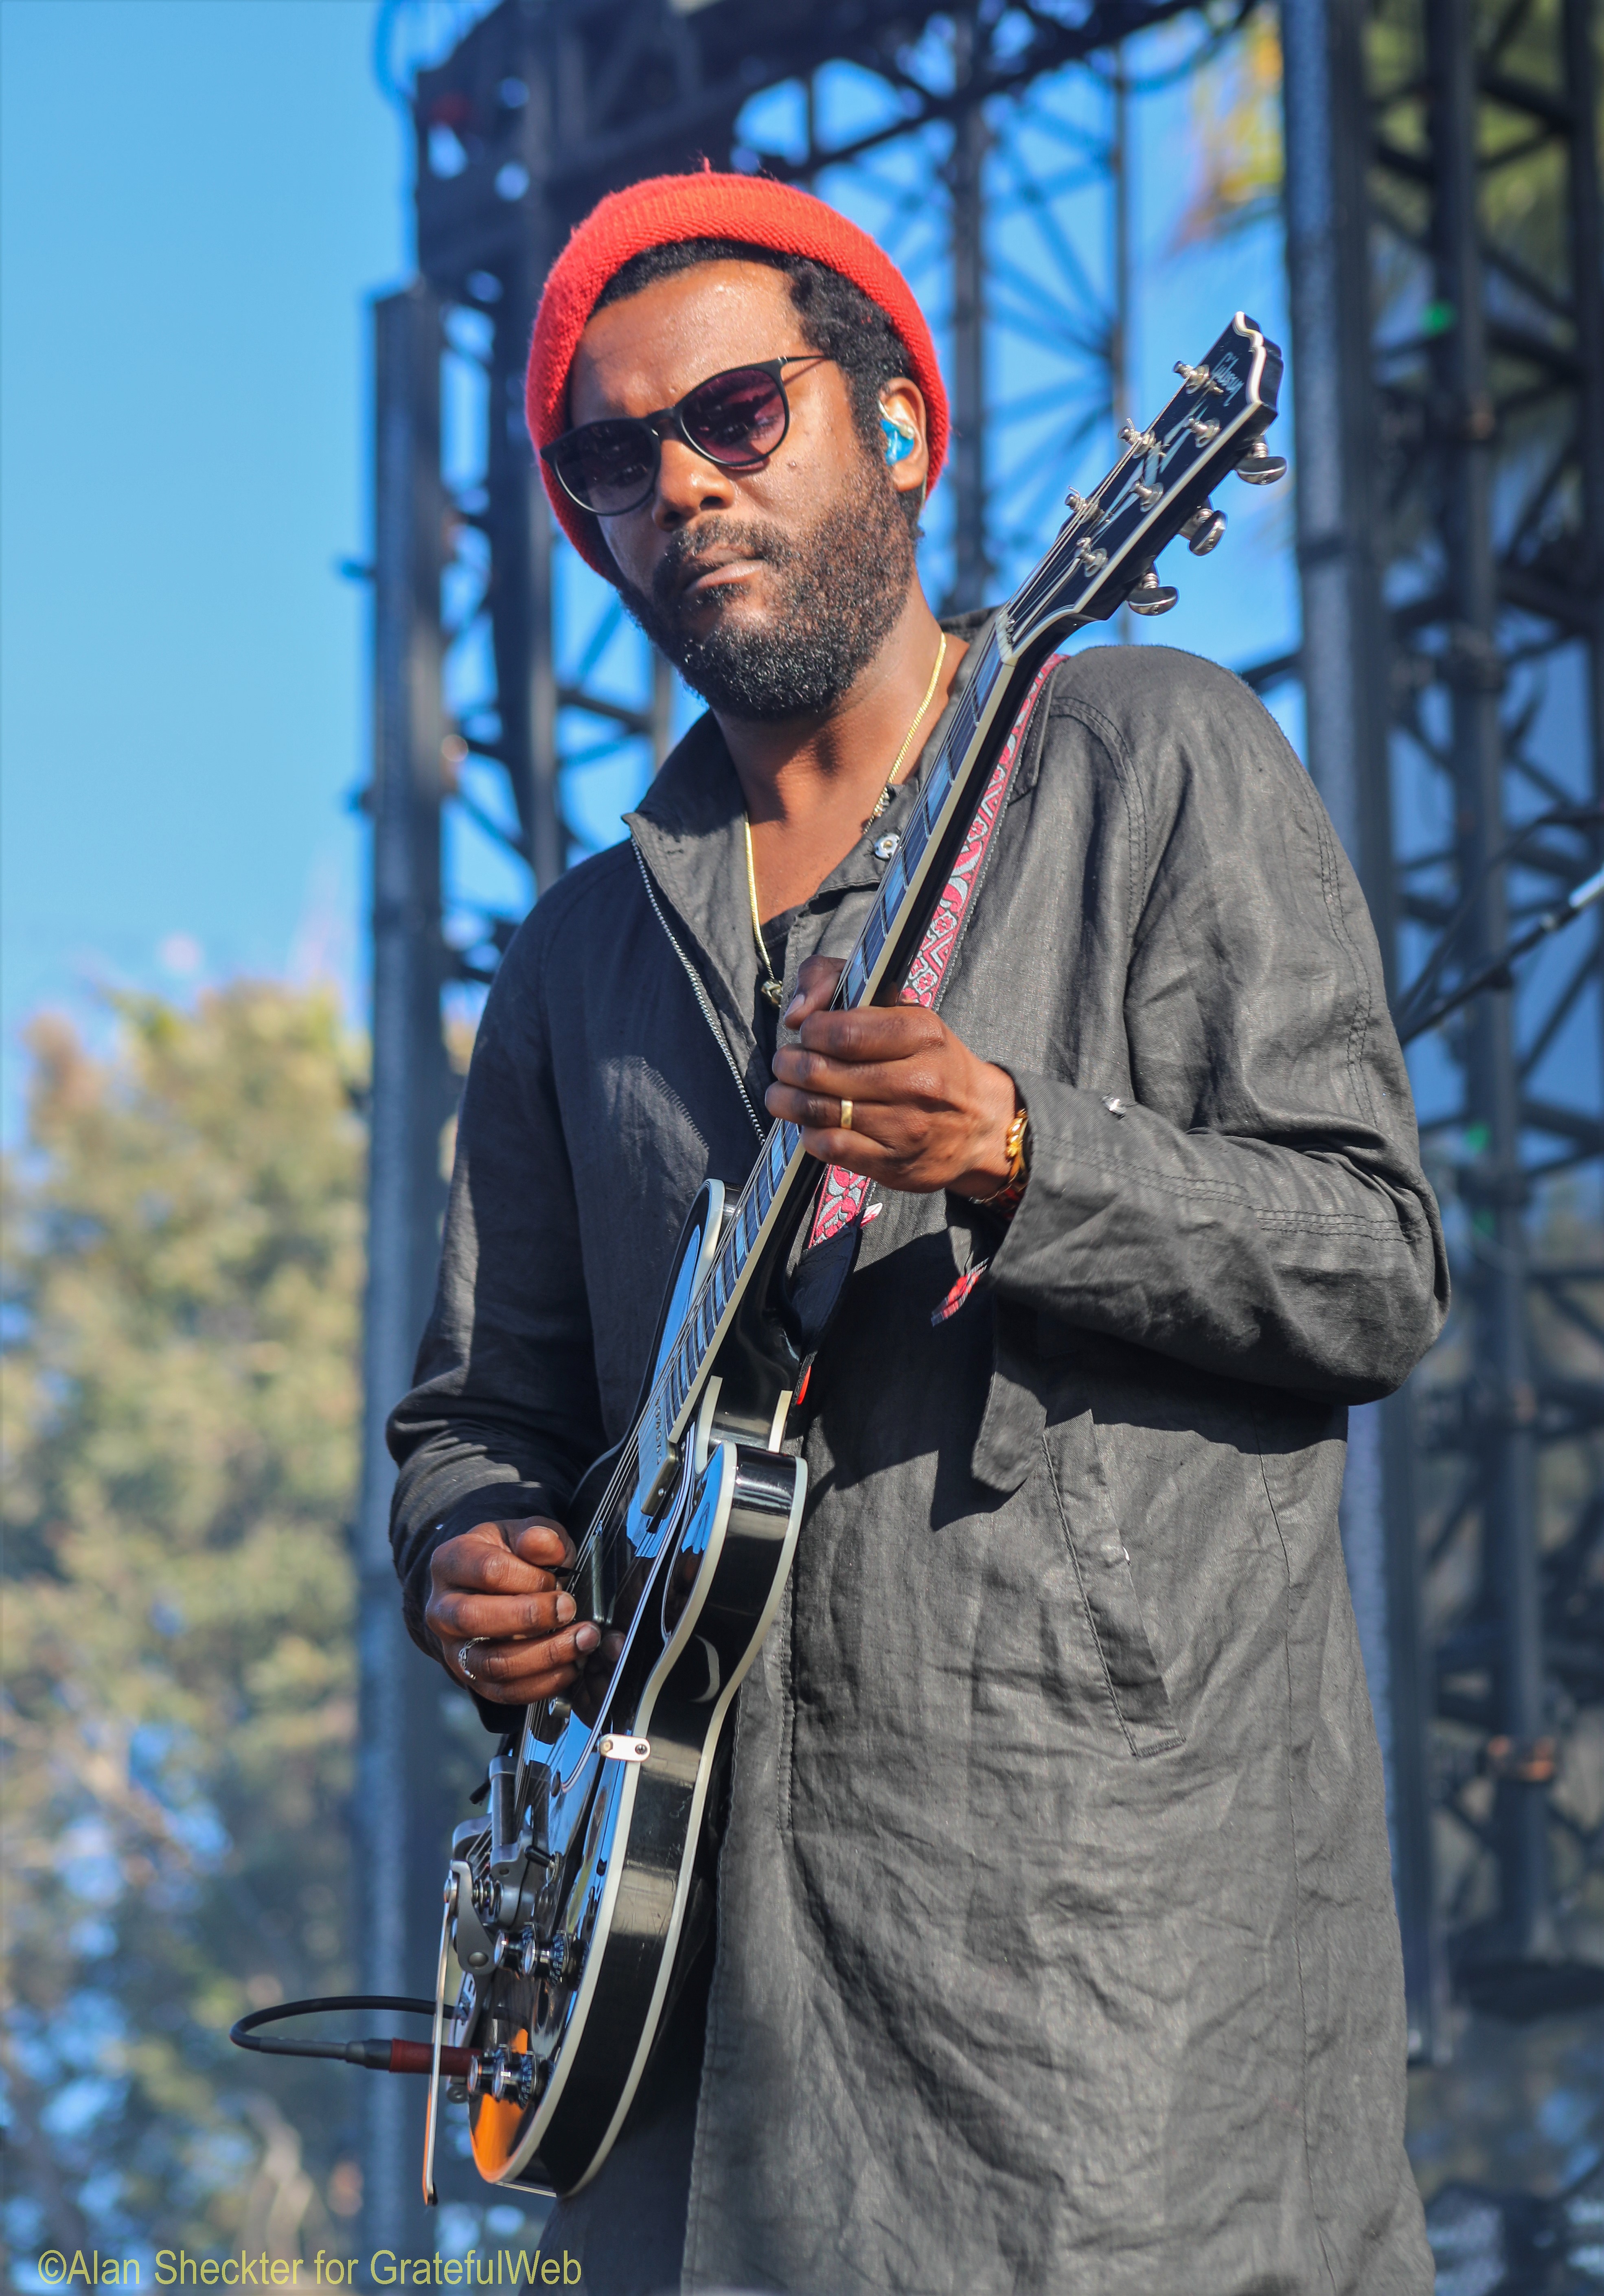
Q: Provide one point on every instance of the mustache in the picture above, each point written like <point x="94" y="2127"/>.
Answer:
<point x="691" y="551"/>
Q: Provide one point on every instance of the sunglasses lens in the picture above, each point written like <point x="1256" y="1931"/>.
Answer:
<point x="733" y="419"/>
<point x="607" y="467"/>
<point x="737" y="418"/>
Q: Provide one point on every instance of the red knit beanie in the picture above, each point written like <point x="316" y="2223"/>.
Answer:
<point x="662" y="211"/>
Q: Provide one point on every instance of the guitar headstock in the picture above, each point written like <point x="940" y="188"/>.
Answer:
<point x="1103" y="556"/>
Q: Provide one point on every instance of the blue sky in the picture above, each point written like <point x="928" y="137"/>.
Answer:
<point x="199" y="197"/>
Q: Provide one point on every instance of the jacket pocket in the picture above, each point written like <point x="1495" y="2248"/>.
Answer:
<point x="1015" y="1414"/>
<point x="1103" y="1568"/>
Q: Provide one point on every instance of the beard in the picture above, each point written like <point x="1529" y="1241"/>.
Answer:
<point x="838" y="586"/>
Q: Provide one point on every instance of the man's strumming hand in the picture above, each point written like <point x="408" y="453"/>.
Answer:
<point x="494" y="1589"/>
<point x="925" y="1113"/>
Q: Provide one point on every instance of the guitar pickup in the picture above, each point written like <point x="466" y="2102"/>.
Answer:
<point x="659" y="1459"/>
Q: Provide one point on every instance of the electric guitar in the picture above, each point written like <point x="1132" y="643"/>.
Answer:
<point x="566" y="1899"/>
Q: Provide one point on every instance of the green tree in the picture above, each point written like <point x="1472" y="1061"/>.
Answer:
<point x="182" y="1277"/>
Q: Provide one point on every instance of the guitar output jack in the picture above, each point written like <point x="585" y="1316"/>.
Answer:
<point x="507" y="2075"/>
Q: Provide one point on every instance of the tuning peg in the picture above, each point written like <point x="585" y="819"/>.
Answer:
<point x="1203" y="529"/>
<point x="1150" y="595"/>
<point x="1142" y="440"/>
<point x="1076" y="505"/>
<point x="1260" y="467"/>
<point x="1198" y="378"/>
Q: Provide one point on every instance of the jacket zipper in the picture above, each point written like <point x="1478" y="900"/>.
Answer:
<point x="703" y="1000"/>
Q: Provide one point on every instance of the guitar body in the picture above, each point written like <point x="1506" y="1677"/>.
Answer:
<point x="609" y="1835"/>
<point x="566" y="1906"/>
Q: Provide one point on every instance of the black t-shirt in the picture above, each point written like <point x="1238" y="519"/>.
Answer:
<point x="765" y="1020"/>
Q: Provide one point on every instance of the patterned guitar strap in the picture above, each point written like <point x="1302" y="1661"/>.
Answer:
<point x="845" y="1198"/>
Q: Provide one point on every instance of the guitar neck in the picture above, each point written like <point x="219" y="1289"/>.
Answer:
<point x="1104" y="553"/>
<point x="763" y="1215"/>
<point x="990" y="694"/>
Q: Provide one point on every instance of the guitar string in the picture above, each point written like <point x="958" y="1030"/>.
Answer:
<point x="1043" y="580"/>
<point x="608" y="1520"/>
<point x="606" y="1524"/>
<point x="1040" y="581"/>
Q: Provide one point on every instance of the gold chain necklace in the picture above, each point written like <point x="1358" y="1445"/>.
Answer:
<point x="774" y="989"/>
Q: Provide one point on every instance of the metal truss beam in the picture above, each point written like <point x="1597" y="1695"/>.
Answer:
<point x="546" y="104"/>
<point x="1342" y="664"/>
<point x="619" y="89"/>
<point x="1450" y="435"/>
<point x="399" y="1776"/>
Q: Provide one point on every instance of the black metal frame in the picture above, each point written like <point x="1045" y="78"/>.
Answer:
<point x="541" y="109"/>
<point x="1494" y="432"/>
<point x="1460" y="405"/>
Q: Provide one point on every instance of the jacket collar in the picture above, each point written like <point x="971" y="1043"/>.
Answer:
<point x="688" y="828"/>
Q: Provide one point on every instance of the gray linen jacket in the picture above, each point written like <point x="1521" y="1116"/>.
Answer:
<point x="1055" y="1941"/>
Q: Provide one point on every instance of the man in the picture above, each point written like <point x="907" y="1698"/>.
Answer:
<point x="1054" y="1945"/>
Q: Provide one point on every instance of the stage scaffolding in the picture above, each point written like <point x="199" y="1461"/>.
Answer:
<point x="1449" y="482"/>
<point x="1444" y="252"/>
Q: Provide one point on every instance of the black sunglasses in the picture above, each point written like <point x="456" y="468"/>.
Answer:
<point x="736" y="419"/>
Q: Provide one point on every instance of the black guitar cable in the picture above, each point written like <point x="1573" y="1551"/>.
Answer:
<point x="377" y="2056"/>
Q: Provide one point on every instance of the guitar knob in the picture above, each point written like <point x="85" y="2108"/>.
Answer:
<point x="1150" y="595"/>
<point x="513" y="1951"/>
<point x="552" y="1959"/>
<point x="507" y="2073"/>
<point x="1260" y="467"/>
<point x="1208" y="530"/>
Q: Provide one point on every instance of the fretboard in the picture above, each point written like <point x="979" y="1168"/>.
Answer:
<point x="1104" y="552"/>
<point x="956" y="776"/>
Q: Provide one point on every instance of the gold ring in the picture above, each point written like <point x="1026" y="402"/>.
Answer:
<point x="845" y="1123"/>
